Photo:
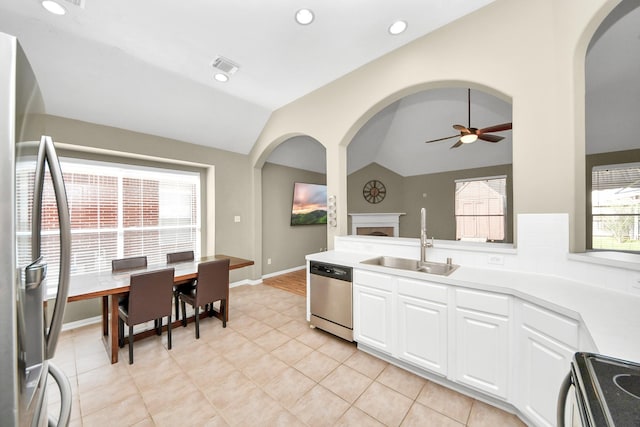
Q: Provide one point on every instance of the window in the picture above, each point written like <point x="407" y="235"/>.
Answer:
<point x="615" y="207"/>
<point x="481" y="208"/>
<point x="116" y="211"/>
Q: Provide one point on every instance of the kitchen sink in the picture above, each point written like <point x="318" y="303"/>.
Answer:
<point x="430" y="267"/>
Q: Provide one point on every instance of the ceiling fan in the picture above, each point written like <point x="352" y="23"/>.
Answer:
<point x="468" y="134"/>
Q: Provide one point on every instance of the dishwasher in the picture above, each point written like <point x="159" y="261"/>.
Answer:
<point x="331" y="298"/>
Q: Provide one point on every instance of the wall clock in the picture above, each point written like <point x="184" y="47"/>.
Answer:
<point x="374" y="191"/>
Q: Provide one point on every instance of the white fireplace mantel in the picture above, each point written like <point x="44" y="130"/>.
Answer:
<point x="375" y="220"/>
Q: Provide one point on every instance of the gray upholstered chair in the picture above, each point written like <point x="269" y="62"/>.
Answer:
<point x="131" y="263"/>
<point x="149" y="299"/>
<point x="125" y="264"/>
<point x="212" y="285"/>
<point x="185" y="285"/>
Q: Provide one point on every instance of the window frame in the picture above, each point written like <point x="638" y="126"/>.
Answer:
<point x="590" y="203"/>
<point x="505" y="206"/>
<point x="132" y="166"/>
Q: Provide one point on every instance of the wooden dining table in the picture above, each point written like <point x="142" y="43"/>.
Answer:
<point x="111" y="286"/>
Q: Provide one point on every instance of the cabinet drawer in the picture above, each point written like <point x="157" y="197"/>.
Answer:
<point x="483" y="301"/>
<point x="551" y="324"/>
<point x="424" y="290"/>
<point x="373" y="280"/>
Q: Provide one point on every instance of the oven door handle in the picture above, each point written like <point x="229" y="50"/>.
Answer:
<point x="562" y="399"/>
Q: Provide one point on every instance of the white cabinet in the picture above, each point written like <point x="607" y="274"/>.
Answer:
<point x="547" y="344"/>
<point x="373" y="321"/>
<point x="498" y="345"/>
<point x="422" y="324"/>
<point x="482" y="341"/>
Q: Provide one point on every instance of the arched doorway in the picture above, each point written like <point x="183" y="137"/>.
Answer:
<point x="297" y="160"/>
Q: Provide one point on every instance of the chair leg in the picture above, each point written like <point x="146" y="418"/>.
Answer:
<point x="223" y="312"/>
<point x="130" y="344"/>
<point x="169" y="331"/>
<point x="176" y="303"/>
<point x="120" y="332"/>
<point x="184" y="313"/>
<point x="197" y="322"/>
<point x="158" y="326"/>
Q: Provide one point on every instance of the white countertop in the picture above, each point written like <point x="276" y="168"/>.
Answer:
<point x="611" y="318"/>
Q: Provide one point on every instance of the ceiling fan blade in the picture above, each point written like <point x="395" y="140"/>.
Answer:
<point x="461" y="128"/>
<point x="457" y="144"/>
<point x="490" y="138"/>
<point x="496" y="128"/>
<point x="442" y="139"/>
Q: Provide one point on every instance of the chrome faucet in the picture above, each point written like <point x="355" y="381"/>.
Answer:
<point x="424" y="241"/>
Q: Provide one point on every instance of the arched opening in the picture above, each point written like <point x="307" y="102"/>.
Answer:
<point x="612" y="108"/>
<point x="285" y="241"/>
<point x="390" y="148"/>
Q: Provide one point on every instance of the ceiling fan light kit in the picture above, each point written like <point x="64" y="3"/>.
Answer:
<point x="468" y="134"/>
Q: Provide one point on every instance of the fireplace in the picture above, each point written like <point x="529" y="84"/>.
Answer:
<point x="375" y="224"/>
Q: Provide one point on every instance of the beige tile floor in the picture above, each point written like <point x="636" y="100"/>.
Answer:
<point x="267" y="368"/>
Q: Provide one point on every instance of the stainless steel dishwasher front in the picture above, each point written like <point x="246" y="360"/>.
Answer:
<point x="331" y="298"/>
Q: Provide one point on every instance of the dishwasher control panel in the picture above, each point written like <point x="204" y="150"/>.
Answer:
<point x="331" y="270"/>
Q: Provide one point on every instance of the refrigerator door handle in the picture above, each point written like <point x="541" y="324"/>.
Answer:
<point x="35" y="273"/>
<point x="65" y="397"/>
<point x="47" y="153"/>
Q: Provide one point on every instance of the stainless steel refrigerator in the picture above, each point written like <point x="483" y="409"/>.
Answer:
<point x="28" y="338"/>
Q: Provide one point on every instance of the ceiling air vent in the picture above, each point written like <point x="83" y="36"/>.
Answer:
<point x="225" y="65"/>
<point x="79" y="3"/>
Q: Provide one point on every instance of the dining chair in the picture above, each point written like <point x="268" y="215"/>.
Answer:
<point x="211" y="285"/>
<point x="124" y="264"/>
<point x="130" y="263"/>
<point x="185" y="285"/>
<point x="149" y="299"/>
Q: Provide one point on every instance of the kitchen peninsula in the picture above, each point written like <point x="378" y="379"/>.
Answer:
<point x="504" y="326"/>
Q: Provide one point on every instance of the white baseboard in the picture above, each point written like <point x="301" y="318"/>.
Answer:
<point x="245" y="282"/>
<point x="80" y="323"/>
<point x="290" y="270"/>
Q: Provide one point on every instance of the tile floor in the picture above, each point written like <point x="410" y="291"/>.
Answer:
<point x="266" y="368"/>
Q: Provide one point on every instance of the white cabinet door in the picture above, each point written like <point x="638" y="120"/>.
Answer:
<point x="422" y="324"/>
<point x="372" y="312"/>
<point x="547" y="342"/>
<point x="482" y="351"/>
<point x="545" y="364"/>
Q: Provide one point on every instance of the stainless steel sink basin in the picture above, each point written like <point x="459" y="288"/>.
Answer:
<point x="439" y="268"/>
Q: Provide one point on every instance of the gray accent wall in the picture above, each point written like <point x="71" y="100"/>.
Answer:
<point x="435" y="192"/>
<point x="283" y="244"/>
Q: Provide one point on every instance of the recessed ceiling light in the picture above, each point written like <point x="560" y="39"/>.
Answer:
<point x="221" y="77"/>
<point x="54" y="7"/>
<point x="304" y="16"/>
<point x="397" y="27"/>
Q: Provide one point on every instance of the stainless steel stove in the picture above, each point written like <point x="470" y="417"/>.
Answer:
<point x="607" y="390"/>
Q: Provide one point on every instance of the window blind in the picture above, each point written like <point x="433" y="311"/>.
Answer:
<point x="117" y="211"/>
<point x="615" y="207"/>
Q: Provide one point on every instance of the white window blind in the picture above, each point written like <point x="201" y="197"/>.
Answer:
<point x="481" y="208"/>
<point x="615" y="207"/>
<point x="117" y="211"/>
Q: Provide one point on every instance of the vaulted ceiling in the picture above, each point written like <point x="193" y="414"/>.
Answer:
<point x="145" y="65"/>
<point x="394" y="137"/>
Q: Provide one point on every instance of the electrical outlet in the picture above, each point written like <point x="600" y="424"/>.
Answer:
<point x="268" y="260"/>
<point x="236" y="218"/>
<point x="496" y="259"/>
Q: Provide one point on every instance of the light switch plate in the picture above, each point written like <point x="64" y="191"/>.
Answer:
<point x="236" y="218"/>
